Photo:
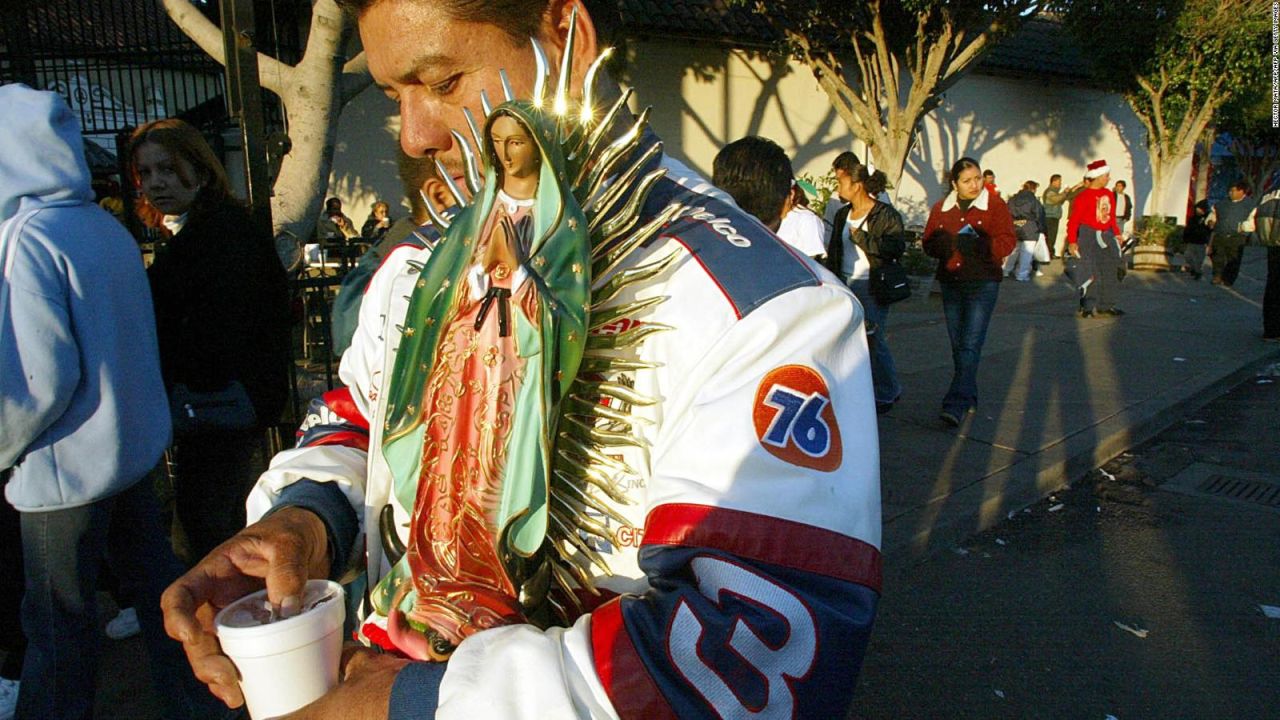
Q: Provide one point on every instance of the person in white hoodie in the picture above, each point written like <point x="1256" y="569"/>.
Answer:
<point x="83" y="412"/>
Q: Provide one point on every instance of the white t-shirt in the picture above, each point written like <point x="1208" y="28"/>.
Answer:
<point x="854" y="265"/>
<point x="803" y="230"/>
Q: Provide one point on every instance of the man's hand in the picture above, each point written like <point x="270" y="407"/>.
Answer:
<point x="282" y="552"/>
<point x="364" y="691"/>
<point x="1073" y="250"/>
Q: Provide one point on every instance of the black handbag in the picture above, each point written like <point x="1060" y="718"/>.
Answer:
<point x="889" y="283"/>
<point x="226" y="410"/>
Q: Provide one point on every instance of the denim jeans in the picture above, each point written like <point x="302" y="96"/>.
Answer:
<point x="967" y="305"/>
<point x="62" y="550"/>
<point x="884" y="375"/>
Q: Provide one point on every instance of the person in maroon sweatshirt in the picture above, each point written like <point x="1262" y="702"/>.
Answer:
<point x="1092" y="235"/>
<point x="970" y="232"/>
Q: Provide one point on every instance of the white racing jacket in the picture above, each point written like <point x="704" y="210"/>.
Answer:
<point x="747" y="575"/>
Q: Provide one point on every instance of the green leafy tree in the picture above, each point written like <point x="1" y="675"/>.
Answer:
<point x="884" y="64"/>
<point x="1253" y="142"/>
<point x="1177" y="62"/>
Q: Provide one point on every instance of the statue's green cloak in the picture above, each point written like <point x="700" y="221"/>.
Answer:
<point x="559" y="263"/>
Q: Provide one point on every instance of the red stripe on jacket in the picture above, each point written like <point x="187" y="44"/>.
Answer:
<point x="618" y="665"/>
<point x="766" y="539"/>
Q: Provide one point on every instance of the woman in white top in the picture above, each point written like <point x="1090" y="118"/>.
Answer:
<point x="801" y="227"/>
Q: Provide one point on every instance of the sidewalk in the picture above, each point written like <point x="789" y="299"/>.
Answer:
<point x="1058" y="395"/>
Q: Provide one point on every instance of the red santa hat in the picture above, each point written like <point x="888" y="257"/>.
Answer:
<point x="1097" y="169"/>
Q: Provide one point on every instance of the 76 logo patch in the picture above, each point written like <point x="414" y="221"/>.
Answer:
<point x="794" y="419"/>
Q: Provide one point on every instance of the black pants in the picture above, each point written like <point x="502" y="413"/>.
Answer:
<point x="212" y="476"/>
<point x="12" y="581"/>
<point x="1271" y="298"/>
<point x="1101" y="294"/>
<point x="1228" y="250"/>
<point x="1051" y="233"/>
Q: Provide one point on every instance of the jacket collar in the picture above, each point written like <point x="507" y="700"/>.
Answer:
<point x="979" y="202"/>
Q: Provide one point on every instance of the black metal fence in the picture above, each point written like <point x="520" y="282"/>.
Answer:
<point x="120" y="63"/>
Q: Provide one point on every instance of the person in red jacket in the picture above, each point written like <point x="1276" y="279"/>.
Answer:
<point x="1092" y="235"/>
<point x="970" y="232"/>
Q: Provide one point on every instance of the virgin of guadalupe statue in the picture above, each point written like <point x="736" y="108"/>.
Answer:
<point x="495" y="329"/>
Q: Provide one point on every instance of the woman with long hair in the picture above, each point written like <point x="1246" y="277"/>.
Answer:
<point x="865" y="233"/>
<point x="970" y="232"/>
<point x="221" y="303"/>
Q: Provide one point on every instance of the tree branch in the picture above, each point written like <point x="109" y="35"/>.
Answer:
<point x="272" y="74"/>
<point x="355" y="77"/>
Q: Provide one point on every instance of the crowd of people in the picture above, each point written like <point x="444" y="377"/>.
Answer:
<point x="721" y="384"/>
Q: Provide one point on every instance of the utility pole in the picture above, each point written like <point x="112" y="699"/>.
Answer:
<point x="244" y="103"/>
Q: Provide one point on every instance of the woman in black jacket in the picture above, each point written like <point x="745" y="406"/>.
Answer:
<point x="221" y="303"/>
<point x="865" y="233"/>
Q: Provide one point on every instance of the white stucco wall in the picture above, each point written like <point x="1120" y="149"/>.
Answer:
<point x="704" y="97"/>
<point x="364" y="158"/>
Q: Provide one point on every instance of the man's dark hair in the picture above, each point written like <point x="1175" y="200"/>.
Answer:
<point x="757" y="173"/>
<point x="1242" y="186"/>
<point x="1053" y="177"/>
<point x="518" y="18"/>
<point x="333" y="204"/>
<point x="1031" y="185"/>
<point x="988" y="173"/>
<point x="1121" y="182"/>
<point x="846" y="162"/>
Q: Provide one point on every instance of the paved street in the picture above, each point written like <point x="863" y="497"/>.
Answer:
<point x="1023" y="620"/>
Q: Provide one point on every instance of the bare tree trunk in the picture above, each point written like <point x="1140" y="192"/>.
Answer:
<point x="1204" y="164"/>
<point x="314" y="93"/>
<point x="885" y="94"/>
<point x="313" y="101"/>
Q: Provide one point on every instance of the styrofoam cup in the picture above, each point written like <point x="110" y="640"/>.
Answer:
<point x="285" y="664"/>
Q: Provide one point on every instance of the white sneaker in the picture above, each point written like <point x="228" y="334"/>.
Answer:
<point x="124" y="625"/>
<point x="8" y="698"/>
<point x="1039" y="273"/>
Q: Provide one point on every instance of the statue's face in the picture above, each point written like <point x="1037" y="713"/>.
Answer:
<point x="514" y="148"/>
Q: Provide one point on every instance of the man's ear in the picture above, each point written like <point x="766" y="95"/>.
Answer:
<point x="555" y="33"/>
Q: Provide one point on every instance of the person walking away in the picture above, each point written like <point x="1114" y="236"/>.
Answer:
<point x="1226" y="244"/>
<point x="1124" y="207"/>
<point x="1092" y="236"/>
<point x="756" y="173"/>
<point x="1029" y="223"/>
<point x="801" y="227"/>
<point x="1265" y="220"/>
<point x="221" y="304"/>
<point x="84" y="415"/>
<point x="1053" y="199"/>
<point x="866" y="233"/>
<point x="1195" y="238"/>
<point x="970" y="232"/>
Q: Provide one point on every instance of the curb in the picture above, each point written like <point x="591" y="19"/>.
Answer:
<point x="983" y="504"/>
